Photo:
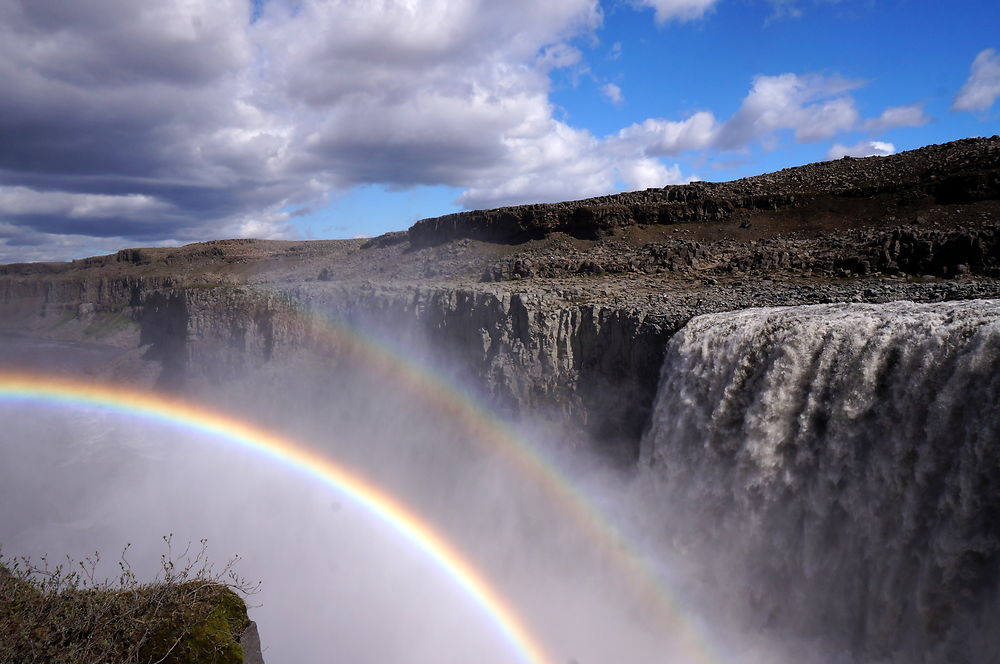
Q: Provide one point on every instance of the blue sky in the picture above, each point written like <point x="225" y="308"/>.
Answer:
<point x="900" y="53"/>
<point x="173" y="121"/>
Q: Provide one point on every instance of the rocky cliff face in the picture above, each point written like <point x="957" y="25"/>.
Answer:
<point x="591" y="367"/>
<point x="558" y="309"/>
<point x="587" y="360"/>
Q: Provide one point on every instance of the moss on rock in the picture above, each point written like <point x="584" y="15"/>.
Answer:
<point x="197" y="622"/>
<point x="204" y="629"/>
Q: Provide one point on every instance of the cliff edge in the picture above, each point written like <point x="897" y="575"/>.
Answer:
<point x="57" y="617"/>
<point x="563" y="308"/>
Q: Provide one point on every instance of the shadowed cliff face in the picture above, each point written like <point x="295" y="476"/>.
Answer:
<point x="846" y="456"/>
<point x="590" y="369"/>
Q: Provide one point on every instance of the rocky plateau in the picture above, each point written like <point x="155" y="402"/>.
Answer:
<point x="563" y="309"/>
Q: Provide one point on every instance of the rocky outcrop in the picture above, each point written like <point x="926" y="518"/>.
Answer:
<point x="961" y="172"/>
<point x="909" y="249"/>
<point x="57" y="616"/>
<point x="250" y="642"/>
<point x="595" y="217"/>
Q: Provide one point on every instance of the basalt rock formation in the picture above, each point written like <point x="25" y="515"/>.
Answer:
<point x="564" y="308"/>
<point x="868" y="189"/>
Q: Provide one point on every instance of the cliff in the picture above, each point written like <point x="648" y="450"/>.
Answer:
<point x="563" y="309"/>
<point x="869" y="189"/>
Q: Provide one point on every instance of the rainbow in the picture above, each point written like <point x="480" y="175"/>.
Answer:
<point x="58" y="390"/>
<point x="460" y="406"/>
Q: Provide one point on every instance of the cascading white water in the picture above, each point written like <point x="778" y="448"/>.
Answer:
<point x="843" y="461"/>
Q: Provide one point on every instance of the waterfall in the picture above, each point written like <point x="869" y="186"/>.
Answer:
<point x="839" y="465"/>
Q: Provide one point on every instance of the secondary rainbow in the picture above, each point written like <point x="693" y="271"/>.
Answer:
<point x="175" y="412"/>
<point x="460" y="405"/>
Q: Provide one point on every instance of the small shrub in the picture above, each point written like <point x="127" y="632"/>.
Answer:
<point x="62" y="614"/>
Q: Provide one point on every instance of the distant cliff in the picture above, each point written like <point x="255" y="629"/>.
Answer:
<point x="564" y="309"/>
<point x="962" y="172"/>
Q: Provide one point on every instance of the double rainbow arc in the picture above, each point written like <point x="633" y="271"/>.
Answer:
<point x="460" y="406"/>
<point x="19" y="386"/>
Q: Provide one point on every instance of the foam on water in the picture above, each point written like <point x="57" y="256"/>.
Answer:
<point x="846" y="459"/>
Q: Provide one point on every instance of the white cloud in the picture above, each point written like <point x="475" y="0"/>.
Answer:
<point x="544" y="161"/>
<point x="392" y="49"/>
<point x="181" y="120"/>
<point x="16" y="201"/>
<point x="813" y="107"/>
<point x="215" y="124"/>
<point x="613" y="93"/>
<point x="680" y="10"/>
<point x="784" y="9"/>
<point x="272" y="226"/>
<point x="862" y="149"/>
<point x="135" y="120"/>
<point x="898" y="116"/>
<point x="413" y="93"/>
<point x="559" y="56"/>
<point x="647" y="173"/>
<point x="666" y="137"/>
<point x="574" y="164"/>
<point x="792" y="9"/>
<point x="450" y="92"/>
<point x="983" y="85"/>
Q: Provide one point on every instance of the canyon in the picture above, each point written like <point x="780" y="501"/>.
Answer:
<point x="565" y="308"/>
<point x="852" y="281"/>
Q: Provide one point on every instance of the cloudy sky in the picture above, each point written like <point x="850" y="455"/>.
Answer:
<point x="163" y="122"/>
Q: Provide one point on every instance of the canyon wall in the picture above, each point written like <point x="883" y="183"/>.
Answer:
<point x="589" y="368"/>
<point x="585" y="361"/>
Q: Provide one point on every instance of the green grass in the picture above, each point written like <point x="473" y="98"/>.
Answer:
<point x="105" y="324"/>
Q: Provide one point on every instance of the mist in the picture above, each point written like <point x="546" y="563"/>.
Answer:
<point x="338" y="584"/>
<point x="773" y="518"/>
